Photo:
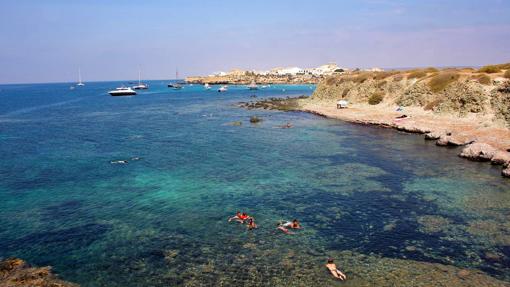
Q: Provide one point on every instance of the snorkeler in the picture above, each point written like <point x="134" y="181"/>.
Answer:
<point x="334" y="271"/>
<point x="294" y="224"/>
<point x="119" y="162"/>
<point x="251" y="223"/>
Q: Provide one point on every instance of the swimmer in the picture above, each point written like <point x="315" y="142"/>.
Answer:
<point x="287" y="126"/>
<point x="119" y="162"/>
<point x="284" y="227"/>
<point x="334" y="271"/>
<point x="244" y="217"/>
<point x="236" y="217"/>
<point x="294" y="224"/>
<point x="251" y="224"/>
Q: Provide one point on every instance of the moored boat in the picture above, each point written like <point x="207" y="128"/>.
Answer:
<point x="223" y="89"/>
<point x="140" y="86"/>
<point x="122" y="91"/>
<point x="80" y="83"/>
<point x="253" y="86"/>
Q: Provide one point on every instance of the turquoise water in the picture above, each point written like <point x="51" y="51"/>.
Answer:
<point x="161" y="220"/>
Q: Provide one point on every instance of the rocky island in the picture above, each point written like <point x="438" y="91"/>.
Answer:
<point x="454" y="106"/>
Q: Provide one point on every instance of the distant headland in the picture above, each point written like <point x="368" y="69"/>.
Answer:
<point x="289" y="75"/>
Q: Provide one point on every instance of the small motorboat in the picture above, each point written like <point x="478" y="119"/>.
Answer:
<point x="207" y="86"/>
<point x="122" y="91"/>
<point x="175" y="86"/>
<point x="253" y="86"/>
<point x="223" y="89"/>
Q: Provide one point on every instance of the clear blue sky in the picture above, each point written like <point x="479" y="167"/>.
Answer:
<point x="46" y="41"/>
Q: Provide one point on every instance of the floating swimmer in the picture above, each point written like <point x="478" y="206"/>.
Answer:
<point x="251" y="224"/>
<point x="334" y="270"/>
<point x="284" y="227"/>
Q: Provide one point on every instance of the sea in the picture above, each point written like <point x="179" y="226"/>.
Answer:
<point x="137" y="190"/>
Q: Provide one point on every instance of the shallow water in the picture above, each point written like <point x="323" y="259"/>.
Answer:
<point x="161" y="220"/>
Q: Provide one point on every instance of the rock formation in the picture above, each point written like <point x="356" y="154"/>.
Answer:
<point x="15" y="272"/>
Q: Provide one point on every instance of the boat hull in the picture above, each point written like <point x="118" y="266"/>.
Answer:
<point x="115" y="94"/>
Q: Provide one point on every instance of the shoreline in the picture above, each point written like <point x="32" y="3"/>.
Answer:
<point x="480" y="139"/>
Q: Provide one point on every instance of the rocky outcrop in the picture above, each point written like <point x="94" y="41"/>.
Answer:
<point x="478" y="152"/>
<point x="501" y="157"/>
<point x="463" y="98"/>
<point x="15" y="272"/>
<point x="500" y="102"/>
<point x="450" y="140"/>
<point x="506" y="172"/>
<point x="435" y="135"/>
<point x="416" y="95"/>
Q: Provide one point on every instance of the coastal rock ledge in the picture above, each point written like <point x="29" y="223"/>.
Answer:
<point x="479" y="152"/>
<point x="15" y="272"/>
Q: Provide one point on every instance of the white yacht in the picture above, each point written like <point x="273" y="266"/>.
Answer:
<point x="80" y="83"/>
<point x="207" y="86"/>
<point x="122" y="91"/>
<point x="140" y="86"/>
<point x="223" y="89"/>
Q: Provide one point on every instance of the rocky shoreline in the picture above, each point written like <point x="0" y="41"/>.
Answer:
<point x="15" y="272"/>
<point x="489" y="144"/>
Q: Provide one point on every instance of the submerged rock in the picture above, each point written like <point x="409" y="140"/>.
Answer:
<point x="478" y="152"/>
<point x="15" y="272"/>
<point x="506" y="172"/>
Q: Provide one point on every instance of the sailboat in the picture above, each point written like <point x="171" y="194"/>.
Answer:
<point x="79" y="78"/>
<point x="140" y="86"/>
<point x="175" y="85"/>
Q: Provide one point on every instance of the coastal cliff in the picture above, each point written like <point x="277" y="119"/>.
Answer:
<point x="455" y="107"/>
<point x="15" y="272"/>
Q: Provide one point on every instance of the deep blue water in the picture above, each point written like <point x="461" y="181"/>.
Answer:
<point x="161" y="220"/>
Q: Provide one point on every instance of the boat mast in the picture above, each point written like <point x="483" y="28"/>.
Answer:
<point x="139" y="76"/>
<point x="79" y="75"/>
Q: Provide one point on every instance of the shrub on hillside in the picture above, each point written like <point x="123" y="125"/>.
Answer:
<point x="431" y="70"/>
<point x="398" y="78"/>
<point x="489" y="69"/>
<point x="507" y="74"/>
<point x="376" y="98"/>
<point x="417" y="74"/>
<point x="432" y="105"/>
<point x="384" y="75"/>
<point x="440" y="81"/>
<point x="483" y="79"/>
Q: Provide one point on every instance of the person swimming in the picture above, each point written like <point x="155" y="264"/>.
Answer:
<point x="294" y="224"/>
<point x="236" y="217"/>
<point x="334" y="270"/>
<point x="251" y="223"/>
<point x="239" y="217"/>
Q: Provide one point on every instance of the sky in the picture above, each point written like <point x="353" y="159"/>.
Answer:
<point x="48" y="41"/>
